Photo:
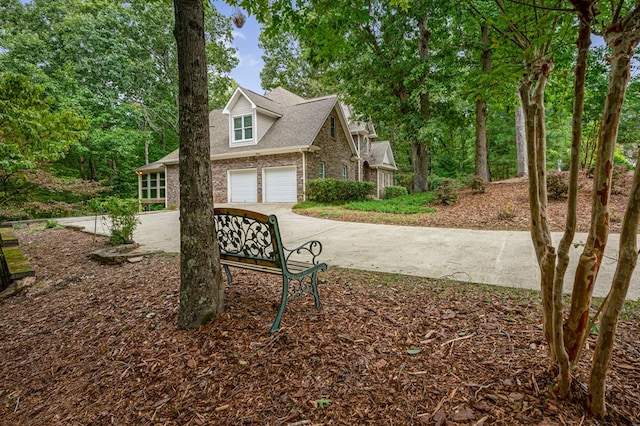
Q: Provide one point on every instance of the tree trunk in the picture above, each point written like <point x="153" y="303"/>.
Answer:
<point x="92" y="168"/>
<point x="521" y="142"/>
<point x="420" y="156"/>
<point x="81" y="161"/>
<point x="482" y="161"/>
<point x="627" y="259"/>
<point x="622" y="37"/>
<point x="201" y="286"/>
<point x="593" y="253"/>
<point x="584" y="41"/>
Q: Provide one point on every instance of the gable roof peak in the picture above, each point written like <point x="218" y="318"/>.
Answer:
<point x="258" y="102"/>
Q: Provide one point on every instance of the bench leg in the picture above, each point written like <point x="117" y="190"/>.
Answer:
<point x="314" y="287"/>
<point x="283" y="304"/>
<point x="228" y="272"/>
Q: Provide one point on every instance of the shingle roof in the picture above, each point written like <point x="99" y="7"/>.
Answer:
<point x="156" y="165"/>
<point x="378" y="151"/>
<point x="297" y="127"/>
<point x="284" y="97"/>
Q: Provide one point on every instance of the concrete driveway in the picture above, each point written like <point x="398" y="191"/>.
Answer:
<point x="502" y="258"/>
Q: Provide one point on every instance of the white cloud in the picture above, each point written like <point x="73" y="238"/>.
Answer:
<point x="238" y="34"/>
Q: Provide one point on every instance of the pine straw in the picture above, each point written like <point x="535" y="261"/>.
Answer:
<point x="95" y="344"/>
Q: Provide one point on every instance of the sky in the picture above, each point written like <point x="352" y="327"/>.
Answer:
<point x="245" y="40"/>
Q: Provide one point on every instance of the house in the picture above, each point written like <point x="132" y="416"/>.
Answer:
<point x="265" y="148"/>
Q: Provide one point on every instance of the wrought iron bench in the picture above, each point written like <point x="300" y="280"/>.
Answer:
<point x="252" y="241"/>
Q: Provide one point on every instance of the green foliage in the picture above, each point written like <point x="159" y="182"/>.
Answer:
<point x="34" y="128"/>
<point x="115" y="64"/>
<point x="477" y="184"/>
<point x="394" y="191"/>
<point x="448" y="191"/>
<point x="557" y="185"/>
<point x="406" y="204"/>
<point x="435" y="182"/>
<point x="121" y="217"/>
<point x="338" y="191"/>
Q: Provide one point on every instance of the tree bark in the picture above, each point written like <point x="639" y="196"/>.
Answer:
<point x="622" y="37"/>
<point x="586" y="16"/>
<point x="628" y="257"/>
<point x="420" y="155"/>
<point x="482" y="112"/>
<point x="201" y="286"/>
<point x="521" y="142"/>
<point x="593" y="253"/>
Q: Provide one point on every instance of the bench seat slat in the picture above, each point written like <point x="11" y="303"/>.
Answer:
<point x="17" y="264"/>
<point x="8" y="238"/>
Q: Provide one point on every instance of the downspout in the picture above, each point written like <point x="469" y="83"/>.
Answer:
<point x="166" y="184"/>
<point x="139" y="190"/>
<point x="304" y="175"/>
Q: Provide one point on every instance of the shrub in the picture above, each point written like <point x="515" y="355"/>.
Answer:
<point x="448" y="191"/>
<point x="435" y="182"/>
<point x="338" y="191"/>
<point x="394" y="192"/>
<point x="507" y="212"/>
<point x="121" y="217"/>
<point x="477" y="184"/>
<point x="557" y="185"/>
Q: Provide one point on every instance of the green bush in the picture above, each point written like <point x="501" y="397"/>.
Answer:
<point x="120" y="217"/>
<point x="394" y="192"/>
<point x="557" y="185"/>
<point x="448" y="191"/>
<point x="477" y="184"/>
<point x="338" y="191"/>
<point x="435" y="182"/>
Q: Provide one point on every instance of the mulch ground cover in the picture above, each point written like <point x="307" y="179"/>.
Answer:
<point x="91" y="344"/>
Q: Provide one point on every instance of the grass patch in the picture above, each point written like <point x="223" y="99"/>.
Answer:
<point x="406" y="204"/>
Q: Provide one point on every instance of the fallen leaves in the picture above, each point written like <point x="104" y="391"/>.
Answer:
<point x="382" y="350"/>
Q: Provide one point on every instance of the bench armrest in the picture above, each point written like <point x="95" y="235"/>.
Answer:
<point x="310" y="249"/>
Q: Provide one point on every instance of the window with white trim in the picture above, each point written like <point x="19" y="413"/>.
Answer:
<point x="365" y="146"/>
<point x="153" y="186"/>
<point x="243" y="128"/>
<point x="321" y="171"/>
<point x="345" y="173"/>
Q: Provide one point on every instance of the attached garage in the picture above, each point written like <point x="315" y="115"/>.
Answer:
<point x="280" y="185"/>
<point x="243" y="186"/>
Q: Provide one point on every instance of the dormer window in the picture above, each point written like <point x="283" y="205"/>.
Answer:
<point x="243" y="128"/>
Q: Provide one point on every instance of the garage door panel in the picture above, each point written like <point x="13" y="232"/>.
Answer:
<point x="281" y="185"/>
<point x="243" y="186"/>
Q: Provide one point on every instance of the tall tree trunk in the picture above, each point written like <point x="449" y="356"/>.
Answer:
<point x="593" y="253"/>
<point x="420" y="156"/>
<point x="627" y="259"/>
<point x="482" y="161"/>
<point x="622" y="37"/>
<point x="201" y="286"/>
<point x="92" y="168"/>
<point x="586" y="16"/>
<point x="83" y="173"/>
<point x="521" y="142"/>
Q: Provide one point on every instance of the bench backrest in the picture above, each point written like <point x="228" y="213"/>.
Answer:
<point x="247" y="236"/>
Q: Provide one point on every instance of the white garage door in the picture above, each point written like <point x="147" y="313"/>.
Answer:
<point x="280" y="185"/>
<point x="243" y="186"/>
